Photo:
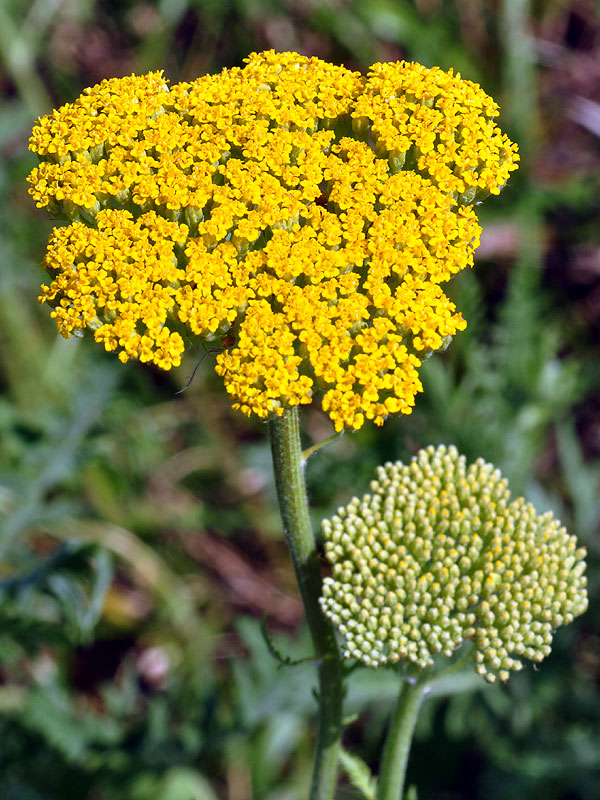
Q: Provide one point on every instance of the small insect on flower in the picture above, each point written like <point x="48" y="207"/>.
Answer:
<point x="313" y="211"/>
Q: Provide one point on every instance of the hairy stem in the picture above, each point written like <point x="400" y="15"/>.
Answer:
<point x="291" y="492"/>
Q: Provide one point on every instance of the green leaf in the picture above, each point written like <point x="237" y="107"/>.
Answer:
<point x="53" y="714"/>
<point x="284" y="661"/>
<point x="359" y="774"/>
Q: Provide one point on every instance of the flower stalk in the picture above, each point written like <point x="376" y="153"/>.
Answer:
<point x="399" y="738"/>
<point x="286" y="450"/>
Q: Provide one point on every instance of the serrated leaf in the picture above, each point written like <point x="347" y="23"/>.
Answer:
<point x="359" y="773"/>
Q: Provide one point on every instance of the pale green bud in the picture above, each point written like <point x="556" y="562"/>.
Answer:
<point x="437" y="554"/>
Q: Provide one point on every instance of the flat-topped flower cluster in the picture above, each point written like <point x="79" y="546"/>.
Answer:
<point x="438" y="554"/>
<point x="302" y="213"/>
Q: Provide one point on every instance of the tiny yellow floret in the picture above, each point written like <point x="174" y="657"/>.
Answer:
<point x="298" y="214"/>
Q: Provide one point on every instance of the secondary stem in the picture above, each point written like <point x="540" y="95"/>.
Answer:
<point x="399" y="738"/>
<point x="291" y="492"/>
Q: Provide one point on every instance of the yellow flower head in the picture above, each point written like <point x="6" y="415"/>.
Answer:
<point x="299" y="212"/>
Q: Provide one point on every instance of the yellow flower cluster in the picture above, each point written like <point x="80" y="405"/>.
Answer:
<point x="266" y="207"/>
<point x="439" y="124"/>
<point x="438" y="554"/>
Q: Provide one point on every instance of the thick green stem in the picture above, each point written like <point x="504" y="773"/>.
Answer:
<point x="399" y="738"/>
<point x="291" y="492"/>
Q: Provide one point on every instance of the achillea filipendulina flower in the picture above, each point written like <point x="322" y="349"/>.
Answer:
<point x="437" y="555"/>
<point x="265" y="209"/>
<point x="438" y="123"/>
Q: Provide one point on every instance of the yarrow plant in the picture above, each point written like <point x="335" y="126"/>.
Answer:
<point x="300" y="219"/>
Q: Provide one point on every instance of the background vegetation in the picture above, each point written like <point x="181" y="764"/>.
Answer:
<point x="139" y="541"/>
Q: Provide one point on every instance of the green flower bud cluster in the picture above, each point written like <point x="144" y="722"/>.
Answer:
<point x="438" y="554"/>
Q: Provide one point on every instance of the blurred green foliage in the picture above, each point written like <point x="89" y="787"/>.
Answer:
<point x="139" y="539"/>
